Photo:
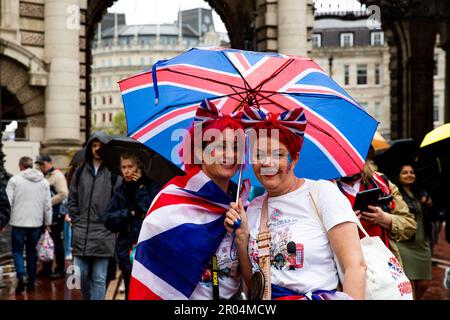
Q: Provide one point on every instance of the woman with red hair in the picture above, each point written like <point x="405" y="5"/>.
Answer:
<point x="191" y="210"/>
<point x="291" y="248"/>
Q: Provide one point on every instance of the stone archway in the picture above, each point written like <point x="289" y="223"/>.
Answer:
<point x="20" y="99"/>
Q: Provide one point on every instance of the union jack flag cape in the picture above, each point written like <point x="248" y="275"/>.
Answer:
<point x="182" y="230"/>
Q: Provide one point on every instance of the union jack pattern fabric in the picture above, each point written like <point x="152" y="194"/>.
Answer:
<point x="338" y="133"/>
<point x="294" y="119"/>
<point x="182" y="230"/>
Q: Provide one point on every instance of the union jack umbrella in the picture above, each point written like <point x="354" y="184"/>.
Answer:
<point x="165" y="98"/>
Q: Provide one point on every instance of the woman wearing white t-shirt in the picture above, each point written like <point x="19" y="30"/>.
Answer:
<point x="301" y="252"/>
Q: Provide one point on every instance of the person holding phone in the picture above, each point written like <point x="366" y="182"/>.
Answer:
<point x="127" y="209"/>
<point x="390" y="220"/>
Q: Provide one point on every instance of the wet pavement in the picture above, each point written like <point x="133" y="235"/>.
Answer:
<point x="47" y="289"/>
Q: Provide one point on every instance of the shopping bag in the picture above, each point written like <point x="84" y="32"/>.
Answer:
<point x="385" y="278"/>
<point x="46" y="247"/>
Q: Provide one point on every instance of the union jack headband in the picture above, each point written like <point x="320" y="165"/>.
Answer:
<point x="207" y="111"/>
<point x="294" y="120"/>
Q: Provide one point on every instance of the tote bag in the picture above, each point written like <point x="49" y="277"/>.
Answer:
<point x="385" y="278"/>
<point x="45" y="247"/>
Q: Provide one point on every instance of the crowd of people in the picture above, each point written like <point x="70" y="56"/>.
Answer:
<point x="281" y="250"/>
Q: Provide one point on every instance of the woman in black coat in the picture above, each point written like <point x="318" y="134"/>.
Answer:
<point x="127" y="209"/>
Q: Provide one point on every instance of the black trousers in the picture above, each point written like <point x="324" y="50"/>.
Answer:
<point x="57" y="234"/>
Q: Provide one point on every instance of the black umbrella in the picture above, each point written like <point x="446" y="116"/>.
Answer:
<point x="156" y="167"/>
<point x="400" y="152"/>
<point x="78" y="157"/>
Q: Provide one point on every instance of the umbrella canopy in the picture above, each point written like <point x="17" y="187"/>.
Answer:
<point x="161" y="100"/>
<point x="156" y="167"/>
<point x="379" y="142"/>
<point x="435" y="153"/>
<point x="400" y="152"/>
<point x="78" y="158"/>
<point x="437" y="135"/>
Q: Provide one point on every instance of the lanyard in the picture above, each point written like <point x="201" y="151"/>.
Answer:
<point x="215" y="278"/>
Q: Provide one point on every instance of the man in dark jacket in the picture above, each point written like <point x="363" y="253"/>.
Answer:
<point x="127" y="209"/>
<point x="91" y="189"/>
<point x="5" y="208"/>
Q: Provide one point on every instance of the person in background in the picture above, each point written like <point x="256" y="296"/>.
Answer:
<point x="59" y="191"/>
<point x="5" y="212"/>
<point x="31" y="208"/>
<point x="91" y="189"/>
<point x="391" y="221"/>
<point x="5" y="208"/>
<point x="127" y="210"/>
<point x="416" y="253"/>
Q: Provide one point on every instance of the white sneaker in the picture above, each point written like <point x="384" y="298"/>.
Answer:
<point x="69" y="257"/>
<point x="447" y="279"/>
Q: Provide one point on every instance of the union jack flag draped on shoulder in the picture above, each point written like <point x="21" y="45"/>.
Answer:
<point x="182" y="230"/>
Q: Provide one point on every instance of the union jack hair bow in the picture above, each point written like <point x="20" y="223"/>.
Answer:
<point x="294" y="120"/>
<point x="207" y="111"/>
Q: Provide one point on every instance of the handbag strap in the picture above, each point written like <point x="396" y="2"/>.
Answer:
<point x="314" y="195"/>
<point x="263" y="239"/>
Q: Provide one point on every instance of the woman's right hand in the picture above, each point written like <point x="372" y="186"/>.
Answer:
<point x="237" y="213"/>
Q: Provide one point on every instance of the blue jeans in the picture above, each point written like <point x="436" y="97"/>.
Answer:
<point x="93" y="276"/>
<point x="67" y="239"/>
<point x="29" y="238"/>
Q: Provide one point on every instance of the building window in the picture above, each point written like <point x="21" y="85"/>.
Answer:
<point x="346" y="74"/>
<point x="121" y="61"/>
<point x="95" y="101"/>
<point x="436" y="65"/>
<point x="436" y="108"/>
<point x="110" y="117"/>
<point x="378" y="111"/>
<point x="103" y="117"/>
<point x="110" y="100"/>
<point x="377" y="38"/>
<point x="365" y="105"/>
<point x="142" y="61"/>
<point x="129" y="61"/>
<point x="377" y="74"/>
<point x="347" y="39"/>
<point x="95" y="118"/>
<point x="361" y="74"/>
<point x="103" y="100"/>
<point x="317" y="40"/>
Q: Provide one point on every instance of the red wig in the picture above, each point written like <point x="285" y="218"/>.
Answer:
<point x="292" y="142"/>
<point x="220" y="123"/>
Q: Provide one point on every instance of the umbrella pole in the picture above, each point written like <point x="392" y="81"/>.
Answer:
<point x="241" y="169"/>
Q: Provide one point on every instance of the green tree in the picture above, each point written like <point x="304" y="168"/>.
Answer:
<point x="119" y="124"/>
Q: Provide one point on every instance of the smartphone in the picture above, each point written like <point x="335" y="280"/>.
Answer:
<point x="366" y="198"/>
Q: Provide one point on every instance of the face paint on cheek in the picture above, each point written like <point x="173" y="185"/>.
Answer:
<point x="289" y="158"/>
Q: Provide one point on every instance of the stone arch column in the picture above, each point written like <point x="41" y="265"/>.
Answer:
<point x="62" y="103"/>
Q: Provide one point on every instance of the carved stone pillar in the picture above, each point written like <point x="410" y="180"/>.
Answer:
<point x="62" y="126"/>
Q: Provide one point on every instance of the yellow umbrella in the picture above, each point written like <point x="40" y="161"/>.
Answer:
<point x="379" y="142"/>
<point x="438" y="134"/>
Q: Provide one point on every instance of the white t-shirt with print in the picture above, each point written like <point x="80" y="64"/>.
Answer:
<point x="292" y="218"/>
<point x="229" y="273"/>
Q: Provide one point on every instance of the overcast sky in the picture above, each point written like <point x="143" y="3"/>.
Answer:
<point x="165" y="11"/>
<point x="162" y="11"/>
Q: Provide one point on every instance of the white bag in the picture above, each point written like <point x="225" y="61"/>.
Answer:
<point x="385" y="278"/>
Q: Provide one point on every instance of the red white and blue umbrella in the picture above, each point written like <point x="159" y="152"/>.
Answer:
<point x="165" y="98"/>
